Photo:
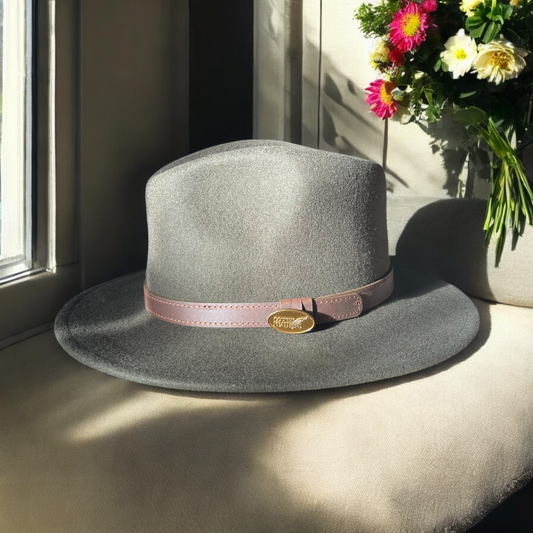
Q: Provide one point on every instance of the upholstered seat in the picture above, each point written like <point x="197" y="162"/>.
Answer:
<point x="432" y="451"/>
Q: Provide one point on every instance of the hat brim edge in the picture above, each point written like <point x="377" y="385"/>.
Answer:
<point x="234" y="372"/>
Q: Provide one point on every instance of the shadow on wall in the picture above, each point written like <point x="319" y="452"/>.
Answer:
<point x="347" y="126"/>
<point x="447" y="140"/>
<point x="446" y="238"/>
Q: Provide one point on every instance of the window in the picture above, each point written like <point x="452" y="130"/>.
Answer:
<point x="110" y="109"/>
<point x="16" y="133"/>
<point x="40" y="235"/>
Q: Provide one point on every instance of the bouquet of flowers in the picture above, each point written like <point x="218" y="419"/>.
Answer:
<point x="469" y="58"/>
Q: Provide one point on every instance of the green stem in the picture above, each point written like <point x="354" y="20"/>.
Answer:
<point x="510" y="204"/>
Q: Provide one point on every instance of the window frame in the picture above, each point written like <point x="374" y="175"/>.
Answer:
<point x="98" y="142"/>
<point x="29" y="304"/>
<point x="17" y="122"/>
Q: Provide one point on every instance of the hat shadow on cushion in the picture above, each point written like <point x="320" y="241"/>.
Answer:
<point x="446" y="239"/>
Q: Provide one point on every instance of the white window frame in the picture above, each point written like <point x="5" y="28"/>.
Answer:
<point x="16" y="140"/>
<point x="29" y="303"/>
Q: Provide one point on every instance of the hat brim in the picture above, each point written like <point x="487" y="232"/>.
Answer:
<point x="423" y="323"/>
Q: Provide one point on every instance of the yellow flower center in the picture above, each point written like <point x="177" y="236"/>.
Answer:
<point x="500" y="59"/>
<point x="385" y="92"/>
<point x="411" y="24"/>
<point x="460" y="54"/>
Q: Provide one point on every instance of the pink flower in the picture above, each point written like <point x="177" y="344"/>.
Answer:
<point x="409" y="26"/>
<point x="396" y="57"/>
<point x="429" y="6"/>
<point x="380" y="98"/>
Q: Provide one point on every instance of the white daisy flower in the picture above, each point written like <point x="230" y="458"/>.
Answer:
<point x="460" y="53"/>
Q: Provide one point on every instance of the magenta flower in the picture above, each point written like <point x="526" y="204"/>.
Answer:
<point x="429" y="6"/>
<point x="380" y="99"/>
<point x="409" y="27"/>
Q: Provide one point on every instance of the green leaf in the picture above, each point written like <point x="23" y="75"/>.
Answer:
<point x="507" y="11"/>
<point x="473" y="22"/>
<point x="398" y="93"/>
<point x="469" y="115"/>
<point x="467" y="94"/>
<point x="494" y="13"/>
<point x="492" y="31"/>
<point x="476" y="31"/>
<point x="497" y="18"/>
<point x="437" y="66"/>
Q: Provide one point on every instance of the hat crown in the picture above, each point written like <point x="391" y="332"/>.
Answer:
<point x="264" y="222"/>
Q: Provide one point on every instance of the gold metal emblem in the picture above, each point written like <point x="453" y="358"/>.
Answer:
<point x="291" y="321"/>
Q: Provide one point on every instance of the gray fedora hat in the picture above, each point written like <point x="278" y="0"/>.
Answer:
<point x="274" y="222"/>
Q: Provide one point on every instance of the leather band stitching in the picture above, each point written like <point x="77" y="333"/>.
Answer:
<point x="356" y="295"/>
<point x="357" y="312"/>
<point x="207" y="307"/>
<point x="208" y="323"/>
<point x="318" y="300"/>
<point x="202" y="306"/>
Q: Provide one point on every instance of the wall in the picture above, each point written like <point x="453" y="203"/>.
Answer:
<point x="133" y="119"/>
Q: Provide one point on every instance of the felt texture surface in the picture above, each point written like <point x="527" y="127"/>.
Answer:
<point x="434" y="451"/>
<point x="265" y="222"/>
<point x="260" y="221"/>
<point x="424" y="322"/>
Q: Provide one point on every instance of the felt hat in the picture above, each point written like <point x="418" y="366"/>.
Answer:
<point x="289" y="227"/>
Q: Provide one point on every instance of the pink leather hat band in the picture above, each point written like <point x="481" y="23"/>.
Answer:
<point x="342" y="306"/>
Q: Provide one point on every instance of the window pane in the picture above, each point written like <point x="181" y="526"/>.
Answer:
<point x="15" y="138"/>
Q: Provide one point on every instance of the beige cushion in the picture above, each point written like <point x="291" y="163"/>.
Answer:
<point x="85" y="452"/>
<point x="446" y="238"/>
